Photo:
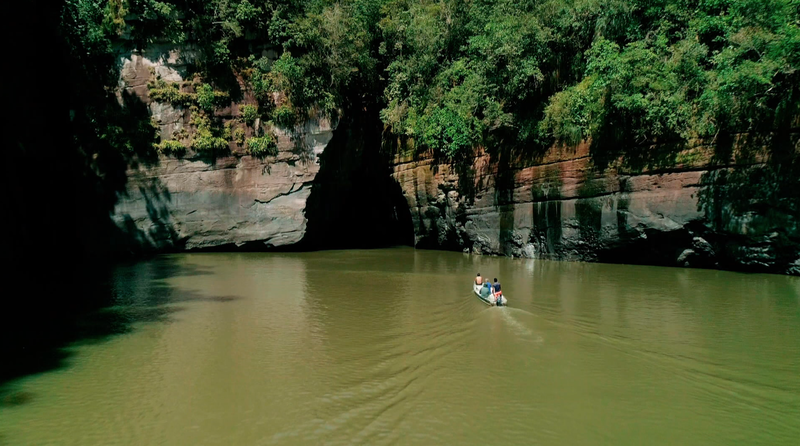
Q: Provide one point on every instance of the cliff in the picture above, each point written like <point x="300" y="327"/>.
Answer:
<point x="196" y="200"/>
<point x="561" y="206"/>
<point x="556" y="205"/>
<point x="324" y="185"/>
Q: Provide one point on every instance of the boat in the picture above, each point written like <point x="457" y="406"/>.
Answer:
<point x="490" y="300"/>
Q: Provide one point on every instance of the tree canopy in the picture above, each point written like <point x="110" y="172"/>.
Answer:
<point x="451" y="75"/>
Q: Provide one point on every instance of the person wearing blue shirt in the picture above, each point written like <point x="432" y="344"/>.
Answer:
<point x="498" y="293"/>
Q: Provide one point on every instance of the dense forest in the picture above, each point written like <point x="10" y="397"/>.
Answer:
<point x="452" y="75"/>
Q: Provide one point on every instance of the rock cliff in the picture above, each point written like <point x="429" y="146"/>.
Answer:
<point x="200" y="201"/>
<point x="315" y="191"/>
<point x="561" y="206"/>
<point x="329" y="185"/>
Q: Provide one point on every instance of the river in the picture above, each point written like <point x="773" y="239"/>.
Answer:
<point x="390" y="346"/>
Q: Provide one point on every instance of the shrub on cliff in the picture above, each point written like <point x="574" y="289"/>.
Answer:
<point x="171" y="147"/>
<point x="686" y="71"/>
<point x="284" y="116"/>
<point x="208" y="98"/>
<point x="169" y="92"/>
<point x="249" y="113"/>
<point x="210" y="136"/>
<point x="447" y="132"/>
<point x="206" y="142"/>
<point x="262" y="146"/>
<point x="238" y="136"/>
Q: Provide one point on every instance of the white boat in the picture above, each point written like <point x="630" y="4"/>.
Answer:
<point x="490" y="300"/>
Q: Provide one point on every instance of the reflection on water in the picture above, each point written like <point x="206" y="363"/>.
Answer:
<point x="391" y="346"/>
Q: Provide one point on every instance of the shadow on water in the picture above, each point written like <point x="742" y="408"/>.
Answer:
<point x="91" y="309"/>
<point x="68" y="155"/>
<point x="72" y="144"/>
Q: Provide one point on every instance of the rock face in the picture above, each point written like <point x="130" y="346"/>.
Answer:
<point x="337" y="186"/>
<point x="562" y="207"/>
<point x="190" y="204"/>
<point x="203" y="202"/>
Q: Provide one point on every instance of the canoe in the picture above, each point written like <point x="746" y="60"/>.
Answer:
<point x="490" y="300"/>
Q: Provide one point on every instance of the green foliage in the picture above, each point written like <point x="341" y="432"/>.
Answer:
<point x="222" y="54"/>
<point x="180" y="134"/>
<point x="284" y="116"/>
<point x="446" y="132"/>
<point x="623" y="74"/>
<point x="208" y="137"/>
<point x="227" y="130"/>
<point x="246" y="12"/>
<point x="114" y="17"/>
<point x="296" y="79"/>
<point x="475" y="70"/>
<point x="451" y="75"/>
<point x="262" y="146"/>
<point x="205" y="141"/>
<point x="329" y="59"/>
<point x="208" y="98"/>
<point x="171" y="147"/>
<point x="696" y="71"/>
<point x="205" y="97"/>
<point x="169" y="92"/>
<point x="238" y="135"/>
<point x="249" y="113"/>
<point x="127" y="138"/>
<point x="567" y="116"/>
<point x="156" y="20"/>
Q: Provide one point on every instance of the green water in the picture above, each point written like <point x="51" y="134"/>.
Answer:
<point x="391" y="347"/>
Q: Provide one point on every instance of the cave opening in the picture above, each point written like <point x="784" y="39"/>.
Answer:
<point x="354" y="201"/>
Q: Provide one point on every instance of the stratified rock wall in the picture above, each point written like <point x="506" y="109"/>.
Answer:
<point x="236" y="200"/>
<point x="562" y="207"/>
<point x="557" y="206"/>
<point x="200" y="201"/>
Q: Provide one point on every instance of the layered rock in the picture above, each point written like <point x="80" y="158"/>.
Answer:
<point x="192" y="204"/>
<point x="559" y="205"/>
<point x="200" y="201"/>
<point x="563" y="207"/>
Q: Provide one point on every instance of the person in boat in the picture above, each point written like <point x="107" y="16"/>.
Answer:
<point x="486" y="291"/>
<point x="478" y="279"/>
<point x="498" y="292"/>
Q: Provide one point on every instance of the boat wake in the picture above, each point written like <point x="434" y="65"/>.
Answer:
<point x="522" y="327"/>
<point x="520" y="322"/>
<point x="518" y="311"/>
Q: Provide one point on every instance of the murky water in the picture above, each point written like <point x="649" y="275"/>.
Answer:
<point x="391" y="347"/>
